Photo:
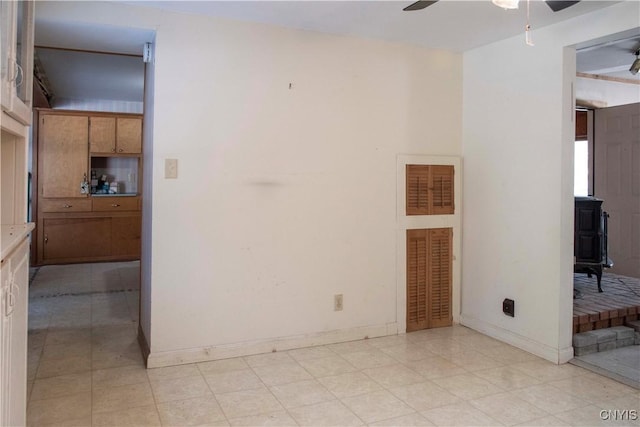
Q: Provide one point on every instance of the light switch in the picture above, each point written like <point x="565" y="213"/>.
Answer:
<point x="171" y="168"/>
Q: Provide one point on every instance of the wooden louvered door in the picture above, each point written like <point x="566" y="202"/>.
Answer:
<point x="439" y="260"/>
<point x="417" y="189"/>
<point x="417" y="250"/>
<point x="441" y="186"/>
<point x="429" y="278"/>
<point x="429" y="189"/>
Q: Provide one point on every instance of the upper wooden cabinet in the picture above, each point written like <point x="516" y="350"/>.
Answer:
<point x="129" y="135"/>
<point x="64" y="154"/>
<point x="16" y="67"/>
<point x="115" y="135"/>
<point x="102" y="134"/>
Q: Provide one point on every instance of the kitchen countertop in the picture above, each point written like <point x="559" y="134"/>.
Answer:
<point x="115" y="195"/>
<point x="12" y="236"/>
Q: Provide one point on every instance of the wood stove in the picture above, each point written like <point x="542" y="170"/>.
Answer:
<point x="590" y="238"/>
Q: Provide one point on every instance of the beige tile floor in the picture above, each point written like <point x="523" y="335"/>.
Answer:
<point x="85" y="368"/>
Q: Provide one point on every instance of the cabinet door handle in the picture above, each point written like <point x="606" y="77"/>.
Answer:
<point x="67" y="206"/>
<point x="11" y="302"/>
<point x="115" y="205"/>
<point x="46" y="238"/>
<point x="121" y="150"/>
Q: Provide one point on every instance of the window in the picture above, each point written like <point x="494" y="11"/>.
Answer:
<point x="581" y="169"/>
<point x="581" y="155"/>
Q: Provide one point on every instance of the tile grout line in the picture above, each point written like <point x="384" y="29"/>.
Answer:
<point x="271" y="392"/>
<point x="224" y="414"/>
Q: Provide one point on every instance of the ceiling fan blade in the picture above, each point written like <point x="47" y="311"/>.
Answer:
<point x="560" y="5"/>
<point x="419" y="5"/>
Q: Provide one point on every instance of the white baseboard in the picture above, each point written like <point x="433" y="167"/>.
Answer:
<point x="226" y="351"/>
<point x="551" y="354"/>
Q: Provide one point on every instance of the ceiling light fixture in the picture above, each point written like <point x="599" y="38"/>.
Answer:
<point x="506" y="4"/>
<point x="527" y="30"/>
<point x="635" y="67"/>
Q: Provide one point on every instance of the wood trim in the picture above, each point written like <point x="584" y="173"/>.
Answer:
<point x="144" y="345"/>
<point x="35" y="188"/>
<point x="608" y="78"/>
<point x="87" y="113"/>
<point x="581" y="126"/>
<point x="101" y="52"/>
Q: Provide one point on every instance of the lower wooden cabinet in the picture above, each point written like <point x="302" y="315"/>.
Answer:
<point x="108" y="230"/>
<point x="125" y="236"/>
<point x="75" y="238"/>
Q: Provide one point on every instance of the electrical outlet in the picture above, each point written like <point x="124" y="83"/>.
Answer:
<point x="508" y="307"/>
<point x="171" y="168"/>
<point x="337" y="302"/>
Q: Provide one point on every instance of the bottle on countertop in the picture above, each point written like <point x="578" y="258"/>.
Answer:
<point x="94" y="181"/>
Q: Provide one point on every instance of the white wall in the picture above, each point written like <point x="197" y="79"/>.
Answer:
<point x="285" y="196"/>
<point x="106" y="105"/>
<point x="518" y="182"/>
<point x="287" y="144"/>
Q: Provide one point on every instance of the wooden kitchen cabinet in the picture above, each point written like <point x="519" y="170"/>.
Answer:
<point x="115" y="135"/>
<point x="102" y="134"/>
<point x="89" y="237"/>
<point x="129" y="135"/>
<point x="72" y="239"/>
<point x="94" y="238"/>
<point x="74" y="227"/>
<point x="114" y="204"/>
<point x="65" y="205"/>
<point x="125" y="235"/>
<point x="64" y="155"/>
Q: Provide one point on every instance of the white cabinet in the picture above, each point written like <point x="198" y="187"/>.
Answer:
<point x="16" y="68"/>
<point x="14" y="273"/>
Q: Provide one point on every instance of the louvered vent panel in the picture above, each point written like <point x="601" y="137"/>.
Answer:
<point x="417" y="293"/>
<point x="429" y="278"/>
<point x="440" y="277"/>
<point x="429" y="189"/>
<point x="417" y="189"/>
<point x="442" y="190"/>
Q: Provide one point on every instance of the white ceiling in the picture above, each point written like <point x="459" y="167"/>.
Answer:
<point x="84" y="75"/>
<point x="611" y="56"/>
<point x="449" y="24"/>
